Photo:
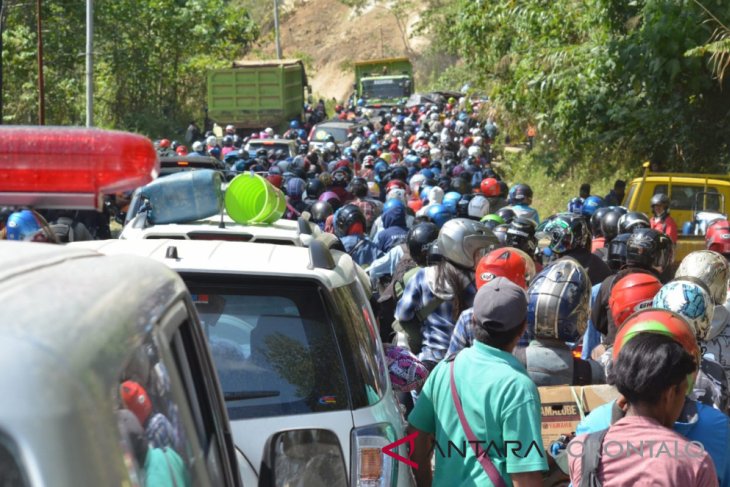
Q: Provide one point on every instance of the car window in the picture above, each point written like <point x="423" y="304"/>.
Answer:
<point x="155" y="420"/>
<point x="10" y="472"/>
<point x="273" y="347"/>
<point x="683" y="197"/>
<point x="252" y="146"/>
<point x="365" y="348"/>
<point x="321" y="133"/>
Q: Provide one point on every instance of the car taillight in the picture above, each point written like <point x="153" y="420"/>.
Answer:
<point x="370" y="467"/>
<point x="303" y="457"/>
<point x="71" y="167"/>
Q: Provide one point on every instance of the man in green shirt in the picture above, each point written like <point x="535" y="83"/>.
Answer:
<point x="500" y="402"/>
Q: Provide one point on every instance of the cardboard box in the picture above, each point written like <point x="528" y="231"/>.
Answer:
<point x="563" y="407"/>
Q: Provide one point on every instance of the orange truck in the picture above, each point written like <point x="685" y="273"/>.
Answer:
<point x="695" y="200"/>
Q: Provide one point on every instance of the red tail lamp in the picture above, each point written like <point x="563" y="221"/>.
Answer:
<point x="69" y="167"/>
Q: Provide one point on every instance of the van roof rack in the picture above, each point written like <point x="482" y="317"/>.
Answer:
<point x="320" y="256"/>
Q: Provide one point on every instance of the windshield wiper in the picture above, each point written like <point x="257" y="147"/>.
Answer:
<point x="241" y="395"/>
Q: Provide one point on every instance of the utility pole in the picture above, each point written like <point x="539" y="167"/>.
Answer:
<point x="89" y="63"/>
<point x="41" y="86"/>
<point x="276" y="29"/>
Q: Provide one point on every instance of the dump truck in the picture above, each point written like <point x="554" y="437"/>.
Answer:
<point x="253" y="95"/>
<point x="383" y="83"/>
<point x="695" y="201"/>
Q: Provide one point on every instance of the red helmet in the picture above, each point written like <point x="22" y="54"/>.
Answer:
<point x="415" y="204"/>
<point x="507" y="262"/>
<point x="425" y="162"/>
<point x="135" y="398"/>
<point x="657" y="321"/>
<point x="164" y="143"/>
<point x="275" y="179"/>
<point x="181" y="150"/>
<point x="395" y="183"/>
<point x="718" y="236"/>
<point x="632" y="293"/>
<point x="468" y="141"/>
<point x="490" y="187"/>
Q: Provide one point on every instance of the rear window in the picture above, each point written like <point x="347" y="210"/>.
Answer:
<point x="273" y="347"/>
<point x="683" y="197"/>
<point x="321" y="133"/>
<point x="252" y="146"/>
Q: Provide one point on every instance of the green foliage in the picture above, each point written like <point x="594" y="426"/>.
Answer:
<point x="606" y="79"/>
<point x="151" y="57"/>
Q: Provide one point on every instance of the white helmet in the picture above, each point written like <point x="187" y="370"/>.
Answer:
<point x="230" y="129"/>
<point x="474" y="151"/>
<point x="416" y="182"/>
<point x="435" y="154"/>
<point x="197" y="146"/>
<point x="689" y="299"/>
<point x="435" y="195"/>
<point x="407" y="122"/>
<point x="460" y="127"/>
<point x="330" y="147"/>
<point x="474" y="132"/>
<point x="709" y="267"/>
<point x="421" y="135"/>
<point x="463" y="242"/>
<point x="211" y="140"/>
<point x="397" y="193"/>
<point x="269" y="131"/>
<point x="434" y="116"/>
<point x="478" y="207"/>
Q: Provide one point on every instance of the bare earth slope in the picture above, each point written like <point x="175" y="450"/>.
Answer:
<point x="329" y="36"/>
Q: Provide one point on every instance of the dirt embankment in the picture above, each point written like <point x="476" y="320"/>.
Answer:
<point x="329" y="36"/>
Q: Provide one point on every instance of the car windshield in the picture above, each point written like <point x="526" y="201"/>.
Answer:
<point x="321" y="133"/>
<point x="273" y="347"/>
<point x="375" y="89"/>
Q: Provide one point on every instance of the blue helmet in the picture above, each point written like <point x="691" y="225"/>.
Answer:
<point x="428" y="173"/>
<point x="24" y="225"/>
<point x="302" y="134"/>
<point x="575" y="205"/>
<point x="439" y="214"/>
<point x="392" y="203"/>
<point x="451" y="200"/>
<point x="424" y="193"/>
<point x="295" y="187"/>
<point x="591" y="204"/>
<point x="558" y="302"/>
<point x="294" y="124"/>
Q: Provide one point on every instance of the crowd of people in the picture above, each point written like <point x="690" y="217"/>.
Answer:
<point x="495" y="300"/>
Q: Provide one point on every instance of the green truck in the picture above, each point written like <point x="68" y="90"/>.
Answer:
<point x="253" y="95"/>
<point x="383" y="82"/>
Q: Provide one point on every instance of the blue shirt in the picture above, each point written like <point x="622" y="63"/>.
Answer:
<point x="463" y="335"/>
<point x="362" y="250"/>
<point x="436" y="330"/>
<point x="501" y="405"/>
<point x="591" y="337"/>
<point x="696" y="423"/>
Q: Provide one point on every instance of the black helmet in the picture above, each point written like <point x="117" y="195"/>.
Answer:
<point x="506" y="214"/>
<point x="358" y="187"/>
<point x="320" y="211"/>
<point x="460" y="185"/>
<point x="521" y="235"/>
<point x="609" y="224"/>
<point x="649" y="249"/>
<point x="462" y="206"/>
<point x="346" y="217"/>
<point x="616" y="256"/>
<point x="314" y="188"/>
<point x="660" y="199"/>
<point x="566" y="231"/>
<point x="631" y="221"/>
<point x="419" y="240"/>
<point x="596" y="218"/>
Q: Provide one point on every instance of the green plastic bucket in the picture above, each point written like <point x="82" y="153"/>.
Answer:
<point x="252" y="199"/>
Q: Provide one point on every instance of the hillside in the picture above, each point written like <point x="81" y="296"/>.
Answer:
<point x="328" y="35"/>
